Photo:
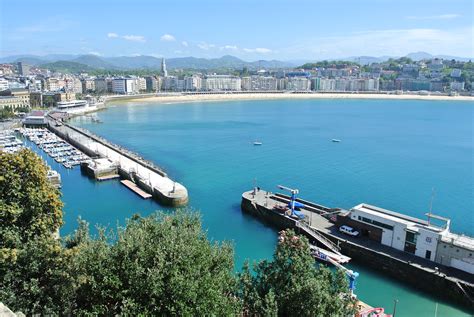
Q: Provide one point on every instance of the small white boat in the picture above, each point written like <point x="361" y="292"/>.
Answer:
<point x="328" y="256"/>
<point x="257" y="143"/>
<point x="336" y="140"/>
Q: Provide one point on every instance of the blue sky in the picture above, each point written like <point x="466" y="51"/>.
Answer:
<point x="286" y="30"/>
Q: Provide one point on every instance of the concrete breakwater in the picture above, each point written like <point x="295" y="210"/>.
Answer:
<point x="110" y="160"/>
<point x="433" y="278"/>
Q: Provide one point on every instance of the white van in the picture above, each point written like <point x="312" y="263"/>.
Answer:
<point x="349" y="230"/>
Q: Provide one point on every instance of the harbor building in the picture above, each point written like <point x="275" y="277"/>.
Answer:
<point x="425" y="239"/>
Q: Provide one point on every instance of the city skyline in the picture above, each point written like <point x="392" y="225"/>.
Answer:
<point x="280" y="30"/>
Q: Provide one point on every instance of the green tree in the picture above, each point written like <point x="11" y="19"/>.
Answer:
<point x="32" y="260"/>
<point x="158" y="265"/>
<point x="291" y="284"/>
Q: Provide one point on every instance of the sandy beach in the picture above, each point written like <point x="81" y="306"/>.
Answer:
<point x="177" y="98"/>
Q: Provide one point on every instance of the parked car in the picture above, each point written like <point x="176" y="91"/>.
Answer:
<point x="349" y="230"/>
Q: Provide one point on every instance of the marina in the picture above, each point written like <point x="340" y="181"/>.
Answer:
<point x="61" y="151"/>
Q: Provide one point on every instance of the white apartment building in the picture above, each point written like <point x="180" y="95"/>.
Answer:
<point x="141" y="84"/>
<point x="192" y="83"/>
<point x="3" y="84"/>
<point x="125" y="86"/>
<point x="222" y="83"/>
<point x="259" y="83"/>
<point x="456" y="86"/>
<point x="170" y="83"/>
<point x="298" y="84"/>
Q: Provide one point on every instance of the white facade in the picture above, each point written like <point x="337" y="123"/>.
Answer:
<point x="3" y="84"/>
<point x="192" y="83"/>
<point x="259" y="83"/>
<point x="141" y="84"/>
<point x="298" y="84"/>
<point x="457" y="86"/>
<point x="125" y="86"/>
<point x="397" y="230"/>
<point x="222" y="83"/>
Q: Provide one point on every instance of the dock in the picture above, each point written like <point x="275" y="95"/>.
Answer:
<point x="109" y="160"/>
<point x="134" y="188"/>
<point x="317" y="225"/>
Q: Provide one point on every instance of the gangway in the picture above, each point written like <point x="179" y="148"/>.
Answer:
<point x="318" y="237"/>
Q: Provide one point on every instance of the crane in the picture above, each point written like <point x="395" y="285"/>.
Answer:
<point x="293" y="202"/>
<point x="350" y="274"/>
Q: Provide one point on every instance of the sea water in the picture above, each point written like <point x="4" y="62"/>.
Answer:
<point x="393" y="154"/>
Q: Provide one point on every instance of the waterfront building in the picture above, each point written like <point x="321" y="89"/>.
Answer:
<point x="456" y="86"/>
<point x="22" y="94"/>
<point x="436" y="85"/>
<point x="170" y="83"/>
<point x="36" y="99"/>
<point x="315" y="83"/>
<point x="11" y="102"/>
<point x="73" y="85"/>
<point x="3" y="84"/>
<point x="192" y="83"/>
<point x="425" y="239"/>
<point x="327" y="84"/>
<point x="51" y="99"/>
<point x="141" y="84"/>
<point x="124" y="86"/>
<point x="222" y="83"/>
<point x="35" y="119"/>
<point x="102" y="85"/>
<point x="259" y="83"/>
<point x="52" y="84"/>
<point x="23" y="69"/>
<point x="281" y="83"/>
<point x="456" y="73"/>
<point x="88" y="85"/>
<point x="164" y="72"/>
<point x="298" y="84"/>
<point x="151" y="84"/>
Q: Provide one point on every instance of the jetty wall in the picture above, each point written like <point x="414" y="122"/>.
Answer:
<point x="457" y="291"/>
<point x="159" y="185"/>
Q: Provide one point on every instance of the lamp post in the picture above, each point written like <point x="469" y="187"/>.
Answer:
<point x="395" y="301"/>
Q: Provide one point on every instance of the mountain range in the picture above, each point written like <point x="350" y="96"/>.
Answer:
<point x="89" y="62"/>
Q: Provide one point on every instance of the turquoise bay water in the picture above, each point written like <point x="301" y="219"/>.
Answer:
<point x="392" y="154"/>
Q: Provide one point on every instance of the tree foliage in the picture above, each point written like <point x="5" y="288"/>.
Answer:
<point x="161" y="265"/>
<point x="291" y="285"/>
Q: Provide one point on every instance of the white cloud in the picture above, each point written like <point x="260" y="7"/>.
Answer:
<point x="95" y="53"/>
<point x="205" y="46"/>
<point x="112" y="35"/>
<point x="184" y="43"/>
<point x="434" y="17"/>
<point x="134" y="38"/>
<point x="229" y="47"/>
<point x="167" y="38"/>
<point x="392" y="42"/>
<point x="259" y="50"/>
